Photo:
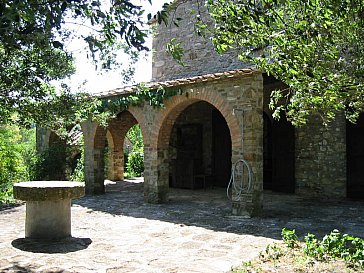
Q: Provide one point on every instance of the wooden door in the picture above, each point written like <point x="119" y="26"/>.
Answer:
<point x="355" y="158"/>
<point x="283" y="156"/>
<point x="189" y="154"/>
<point x="221" y="150"/>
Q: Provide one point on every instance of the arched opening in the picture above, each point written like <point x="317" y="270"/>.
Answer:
<point x="59" y="155"/>
<point x="199" y="148"/>
<point x="117" y="146"/>
<point x="355" y="158"/>
<point x="133" y="152"/>
<point x="98" y="141"/>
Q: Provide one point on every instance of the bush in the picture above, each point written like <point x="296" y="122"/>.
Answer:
<point x="17" y="151"/>
<point x="52" y="163"/>
<point x="134" y="160"/>
<point x="135" y="165"/>
<point x="78" y="174"/>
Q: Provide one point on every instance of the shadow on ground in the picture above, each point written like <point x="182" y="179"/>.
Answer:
<point x="212" y="210"/>
<point x="71" y="244"/>
<point x="16" y="267"/>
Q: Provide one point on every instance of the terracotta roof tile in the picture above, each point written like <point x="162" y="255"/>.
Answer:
<point x="179" y="82"/>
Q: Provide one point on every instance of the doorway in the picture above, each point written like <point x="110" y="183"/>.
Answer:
<point x="278" y="155"/>
<point x="200" y="148"/>
<point x="355" y="158"/>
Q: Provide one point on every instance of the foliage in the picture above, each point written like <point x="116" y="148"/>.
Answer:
<point x="65" y="109"/>
<point x="314" y="47"/>
<point x="334" y="253"/>
<point x="289" y="237"/>
<point x="34" y="39"/>
<point x="78" y="173"/>
<point x="135" y="165"/>
<point x="17" y="150"/>
<point x="141" y="93"/>
<point x="51" y="164"/>
<point x="62" y="160"/>
<point x="175" y="49"/>
<point x="336" y="245"/>
<point x="135" y="136"/>
<point x="135" y="158"/>
<point x="272" y="252"/>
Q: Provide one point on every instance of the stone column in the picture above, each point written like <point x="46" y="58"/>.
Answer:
<point x="155" y="188"/>
<point x="94" y="159"/>
<point x="249" y="112"/>
<point x="42" y="139"/>
<point x="117" y="134"/>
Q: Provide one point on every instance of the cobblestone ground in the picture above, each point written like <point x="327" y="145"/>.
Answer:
<point x="194" y="232"/>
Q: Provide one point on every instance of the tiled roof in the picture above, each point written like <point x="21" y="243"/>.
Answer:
<point x="179" y="82"/>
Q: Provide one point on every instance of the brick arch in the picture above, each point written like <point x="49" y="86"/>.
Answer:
<point x="118" y="128"/>
<point x="161" y="132"/>
<point x="177" y="104"/>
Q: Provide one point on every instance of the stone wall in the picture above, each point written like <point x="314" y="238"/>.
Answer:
<point x="321" y="158"/>
<point x="320" y="152"/>
<point x="200" y="57"/>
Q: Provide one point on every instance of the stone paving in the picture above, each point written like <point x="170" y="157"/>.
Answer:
<point x="193" y="232"/>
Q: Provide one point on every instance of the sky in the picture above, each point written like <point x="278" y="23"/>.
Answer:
<point x="85" y="71"/>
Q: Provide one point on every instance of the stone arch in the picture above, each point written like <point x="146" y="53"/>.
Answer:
<point x="96" y="137"/>
<point x="175" y="105"/>
<point x="118" y="129"/>
<point x="54" y="147"/>
<point x="157" y="183"/>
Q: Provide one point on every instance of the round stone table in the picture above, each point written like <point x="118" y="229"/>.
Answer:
<point x="48" y="207"/>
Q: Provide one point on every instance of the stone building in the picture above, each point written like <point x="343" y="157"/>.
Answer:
<point x="218" y="116"/>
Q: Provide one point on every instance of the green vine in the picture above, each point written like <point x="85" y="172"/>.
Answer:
<point x="155" y="98"/>
<point x="68" y="109"/>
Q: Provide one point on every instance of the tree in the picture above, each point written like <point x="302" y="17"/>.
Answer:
<point x="315" y="47"/>
<point x="34" y="35"/>
<point x="17" y="153"/>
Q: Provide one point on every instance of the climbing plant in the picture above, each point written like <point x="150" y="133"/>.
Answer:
<point x="141" y="93"/>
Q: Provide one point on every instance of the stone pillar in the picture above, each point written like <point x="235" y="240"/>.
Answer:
<point x="118" y="163"/>
<point x="94" y="157"/>
<point x="116" y="136"/>
<point x="155" y="183"/>
<point x="42" y="139"/>
<point x="250" y="116"/>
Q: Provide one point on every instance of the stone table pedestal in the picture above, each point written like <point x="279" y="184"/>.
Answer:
<point x="48" y="207"/>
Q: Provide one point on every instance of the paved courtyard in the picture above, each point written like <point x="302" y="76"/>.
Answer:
<point x="194" y="232"/>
